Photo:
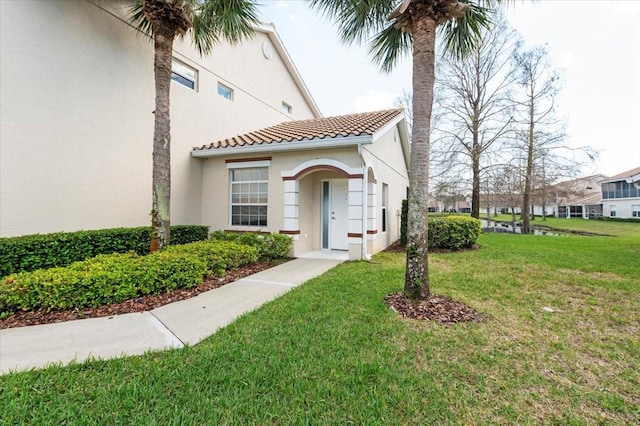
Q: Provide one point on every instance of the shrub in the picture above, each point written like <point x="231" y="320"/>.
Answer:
<point x="270" y="246"/>
<point x="218" y="255"/>
<point x="453" y="232"/>
<point x="30" y="252"/>
<point x="446" y="232"/>
<point x="100" y="280"/>
<point x="617" y="219"/>
<point x="113" y="278"/>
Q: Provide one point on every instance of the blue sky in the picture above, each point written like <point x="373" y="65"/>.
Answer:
<point x="596" y="44"/>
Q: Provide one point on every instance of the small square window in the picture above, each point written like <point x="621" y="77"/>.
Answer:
<point x="287" y="108"/>
<point x="184" y="74"/>
<point x="225" y="91"/>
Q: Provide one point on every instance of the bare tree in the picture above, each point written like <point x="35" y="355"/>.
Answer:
<point x="537" y="124"/>
<point x="509" y="186"/>
<point x="405" y="101"/>
<point x="472" y="96"/>
<point x="540" y="134"/>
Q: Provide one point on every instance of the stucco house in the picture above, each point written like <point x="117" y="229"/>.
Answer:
<point x="333" y="183"/>
<point x="621" y="195"/>
<point x="76" y="131"/>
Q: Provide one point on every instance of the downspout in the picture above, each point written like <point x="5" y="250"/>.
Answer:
<point x="365" y="202"/>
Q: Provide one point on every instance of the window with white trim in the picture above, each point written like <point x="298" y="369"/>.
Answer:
<point x="612" y="210"/>
<point x="249" y="196"/>
<point x="286" y="107"/>
<point x="225" y="91"/>
<point x="635" y="210"/>
<point x="183" y="74"/>
<point x="385" y="196"/>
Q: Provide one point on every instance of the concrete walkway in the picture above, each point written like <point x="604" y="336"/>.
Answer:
<point x="170" y="326"/>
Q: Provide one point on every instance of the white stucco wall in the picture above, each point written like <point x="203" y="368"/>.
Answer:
<point x="386" y="157"/>
<point x="76" y="122"/>
<point x="624" y="207"/>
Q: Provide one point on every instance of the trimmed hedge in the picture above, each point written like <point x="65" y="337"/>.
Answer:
<point x="445" y="232"/>
<point x="31" y="252"/>
<point x="218" y="255"/>
<point x="118" y="277"/>
<point x="270" y="246"/>
<point x="453" y="232"/>
<point x="617" y="219"/>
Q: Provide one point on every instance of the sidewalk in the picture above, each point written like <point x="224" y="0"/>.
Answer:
<point x="170" y="326"/>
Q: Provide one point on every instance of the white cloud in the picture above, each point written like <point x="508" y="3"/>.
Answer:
<point x="374" y="101"/>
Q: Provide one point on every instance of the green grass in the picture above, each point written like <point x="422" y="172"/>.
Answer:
<point x="330" y="352"/>
<point x="620" y="229"/>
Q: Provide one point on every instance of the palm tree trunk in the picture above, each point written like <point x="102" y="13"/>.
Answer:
<point x="161" y="175"/>
<point x="417" y="271"/>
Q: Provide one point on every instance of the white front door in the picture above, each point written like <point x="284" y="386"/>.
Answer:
<point x="339" y="215"/>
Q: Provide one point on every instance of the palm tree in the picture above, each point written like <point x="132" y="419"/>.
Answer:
<point x="398" y="30"/>
<point x="206" y="21"/>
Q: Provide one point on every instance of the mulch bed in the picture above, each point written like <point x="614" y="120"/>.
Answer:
<point x="436" y="308"/>
<point x="140" y="304"/>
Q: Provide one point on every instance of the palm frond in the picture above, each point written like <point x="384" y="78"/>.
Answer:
<point x="462" y="34"/>
<point x="389" y="46"/>
<point x="356" y="20"/>
<point x="137" y="18"/>
<point x="212" y="20"/>
<point x="232" y="20"/>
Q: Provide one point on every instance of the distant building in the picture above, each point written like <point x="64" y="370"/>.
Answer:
<point x="621" y="195"/>
<point x="575" y="198"/>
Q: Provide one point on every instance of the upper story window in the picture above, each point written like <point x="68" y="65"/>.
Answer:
<point x="184" y="74"/>
<point x="225" y="91"/>
<point x="286" y="107"/>
<point x="620" y="189"/>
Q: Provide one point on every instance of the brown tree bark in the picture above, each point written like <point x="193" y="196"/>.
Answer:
<point x="168" y="19"/>
<point x="161" y="175"/>
<point x="526" y="199"/>
<point x="417" y="271"/>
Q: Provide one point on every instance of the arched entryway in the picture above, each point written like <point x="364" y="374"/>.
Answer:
<point x="327" y="205"/>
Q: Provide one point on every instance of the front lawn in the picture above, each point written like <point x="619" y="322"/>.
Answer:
<point x="330" y="352"/>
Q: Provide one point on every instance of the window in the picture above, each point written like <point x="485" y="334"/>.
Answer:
<point x="249" y="196"/>
<point x="225" y="92"/>
<point x="287" y="108"/>
<point x="183" y="74"/>
<point x="612" y="211"/>
<point x="385" y="192"/>
<point x="635" y="210"/>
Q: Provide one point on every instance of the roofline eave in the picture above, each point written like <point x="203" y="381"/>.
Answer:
<point x="340" y="142"/>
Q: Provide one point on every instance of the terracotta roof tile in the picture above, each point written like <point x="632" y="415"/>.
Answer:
<point x="314" y="129"/>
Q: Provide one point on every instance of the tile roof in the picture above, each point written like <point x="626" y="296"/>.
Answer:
<point x="624" y="175"/>
<point x="327" y="128"/>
